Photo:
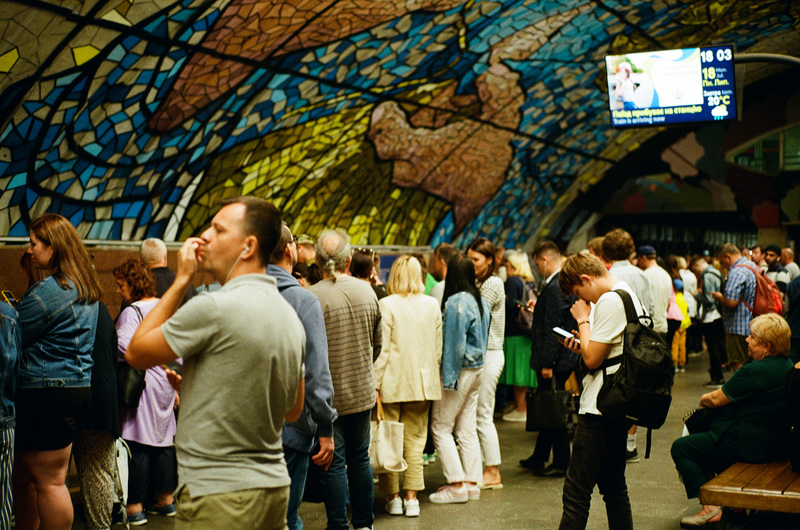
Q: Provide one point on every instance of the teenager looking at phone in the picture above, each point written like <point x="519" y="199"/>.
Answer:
<point x="243" y="348"/>
<point x="598" y="451"/>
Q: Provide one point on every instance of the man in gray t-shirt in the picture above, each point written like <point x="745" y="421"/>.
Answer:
<point x="243" y="349"/>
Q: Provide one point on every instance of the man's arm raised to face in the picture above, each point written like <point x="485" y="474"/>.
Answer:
<point x="148" y="346"/>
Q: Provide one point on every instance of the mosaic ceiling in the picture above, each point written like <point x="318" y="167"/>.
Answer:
<point x="406" y="123"/>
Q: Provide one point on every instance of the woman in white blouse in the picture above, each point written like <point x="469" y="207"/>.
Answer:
<point x="407" y="374"/>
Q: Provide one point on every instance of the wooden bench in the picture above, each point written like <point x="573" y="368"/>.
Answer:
<point x="770" y="487"/>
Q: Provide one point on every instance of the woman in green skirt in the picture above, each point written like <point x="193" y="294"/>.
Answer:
<point x="517" y="371"/>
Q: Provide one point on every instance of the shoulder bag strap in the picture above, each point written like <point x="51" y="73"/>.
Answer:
<point x="138" y="311"/>
<point x="630" y="312"/>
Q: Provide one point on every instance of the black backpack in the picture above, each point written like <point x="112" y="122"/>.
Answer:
<point x="640" y="390"/>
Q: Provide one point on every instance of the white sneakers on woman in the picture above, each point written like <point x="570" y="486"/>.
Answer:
<point x="411" y="507"/>
<point x="450" y="494"/>
<point x="397" y="506"/>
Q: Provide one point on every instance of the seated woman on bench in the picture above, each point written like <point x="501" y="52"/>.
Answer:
<point x="751" y="423"/>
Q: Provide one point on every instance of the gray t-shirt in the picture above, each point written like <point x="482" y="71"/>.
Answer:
<point x="243" y="349"/>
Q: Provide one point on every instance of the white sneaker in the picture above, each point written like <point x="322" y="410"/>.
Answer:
<point x="411" y="507"/>
<point x="473" y="492"/>
<point x="515" y="415"/>
<point x="450" y="494"/>
<point x="394" y="506"/>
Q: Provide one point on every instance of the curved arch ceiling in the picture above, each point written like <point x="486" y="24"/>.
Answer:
<point x="405" y="122"/>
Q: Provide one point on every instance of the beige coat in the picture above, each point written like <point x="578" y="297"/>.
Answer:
<point x="408" y="366"/>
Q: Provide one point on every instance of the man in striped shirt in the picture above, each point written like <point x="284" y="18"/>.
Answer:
<point x="353" y="326"/>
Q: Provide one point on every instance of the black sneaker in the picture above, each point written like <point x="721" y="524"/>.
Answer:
<point x="550" y="471"/>
<point x="715" y="383"/>
<point x="632" y="456"/>
<point x="530" y="463"/>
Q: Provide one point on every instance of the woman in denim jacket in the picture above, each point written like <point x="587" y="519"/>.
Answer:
<point x="10" y="342"/>
<point x="58" y="317"/>
<point x="465" y="330"/>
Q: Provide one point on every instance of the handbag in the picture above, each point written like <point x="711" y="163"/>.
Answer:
<point x="386" y="444"/>
<point x="549" y="410"/>
<point x="130" y="380"/>
<point x="699" y="420"/>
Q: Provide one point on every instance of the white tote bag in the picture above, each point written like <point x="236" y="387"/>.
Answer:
<point x="386" y="445"/>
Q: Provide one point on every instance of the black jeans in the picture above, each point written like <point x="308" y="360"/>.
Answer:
<point x="714" y="333"/>
<point x="598" y="458"/>
<point x="557" y="440"/>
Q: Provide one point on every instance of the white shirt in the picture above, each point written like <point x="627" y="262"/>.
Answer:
<point x="608" y="324"/>
<point x="661" y="287"/>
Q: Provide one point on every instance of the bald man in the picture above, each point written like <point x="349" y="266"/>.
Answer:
<point x="787" y="260"/>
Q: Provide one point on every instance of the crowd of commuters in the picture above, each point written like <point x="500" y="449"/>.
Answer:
<point x="260" y="391"/>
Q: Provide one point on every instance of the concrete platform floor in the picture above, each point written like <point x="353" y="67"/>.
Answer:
<point x="657" y="497"/>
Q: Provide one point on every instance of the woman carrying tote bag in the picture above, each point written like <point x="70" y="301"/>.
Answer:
<point x="407" y="374"/>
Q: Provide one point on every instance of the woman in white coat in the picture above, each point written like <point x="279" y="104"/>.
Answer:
<point x="407" y="374"/>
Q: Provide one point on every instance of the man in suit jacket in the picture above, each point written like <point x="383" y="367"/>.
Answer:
<point x="552" y="361"/>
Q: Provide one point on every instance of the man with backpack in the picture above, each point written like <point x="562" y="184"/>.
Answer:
<point x="736" y="301"/>
<point x="598" y="451"/>
<point x="710" y="318"/>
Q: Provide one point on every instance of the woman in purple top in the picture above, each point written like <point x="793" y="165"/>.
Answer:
<point x="149" y="428"/>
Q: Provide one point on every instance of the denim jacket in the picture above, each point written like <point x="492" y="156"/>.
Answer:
<point x="10" y="343"/>
<point x="465" y="335"/>
<point x="57" y="336"/>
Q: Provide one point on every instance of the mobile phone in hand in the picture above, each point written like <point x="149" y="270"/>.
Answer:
<point x="9" y="297"/>
<point x="562" y="333"/>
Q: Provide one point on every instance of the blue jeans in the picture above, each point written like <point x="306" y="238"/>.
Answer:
<point x="297" y="464"/>
<point x="598" y="458"/>
<point x="350" y="475"/>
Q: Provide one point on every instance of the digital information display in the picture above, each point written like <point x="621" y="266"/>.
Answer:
<point x="671" y="86"/>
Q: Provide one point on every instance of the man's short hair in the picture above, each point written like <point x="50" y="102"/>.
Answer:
<point x="152" y="251"/>
<point x="445" y="251"/>
<point x="546" y="247"/>
<point x="595" y="245"/>
<point x="772" y="329"/>
<point x="773" y="248"/>
<point x="729" y="249"/>
<point x="694" y="259"/>
<point x="262" y="220"/>
<point x="361" y="263"/>
<point x="333" y="251"/>
<point x="283" y="242"/>
<point x="759" y="247"/>
<point x="617" y="245"/>
<point x="575" y="266"/>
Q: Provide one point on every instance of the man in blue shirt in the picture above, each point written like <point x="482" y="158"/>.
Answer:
<point x="740" y="287"/>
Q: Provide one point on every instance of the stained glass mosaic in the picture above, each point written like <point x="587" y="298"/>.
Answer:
<point x="404" y="122"/>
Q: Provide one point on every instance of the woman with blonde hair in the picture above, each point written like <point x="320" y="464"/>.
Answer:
<point x="517" y="371"/>
<point x="58" y="319"/>
<point x="407" y="374"/>
<point x="752" y="420"/>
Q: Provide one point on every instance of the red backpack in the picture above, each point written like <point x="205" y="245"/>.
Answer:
<point x="768" y="298"/>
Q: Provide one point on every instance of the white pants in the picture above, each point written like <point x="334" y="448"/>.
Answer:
<point x="456" y="411"/>
<point x="487" y="433"/>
